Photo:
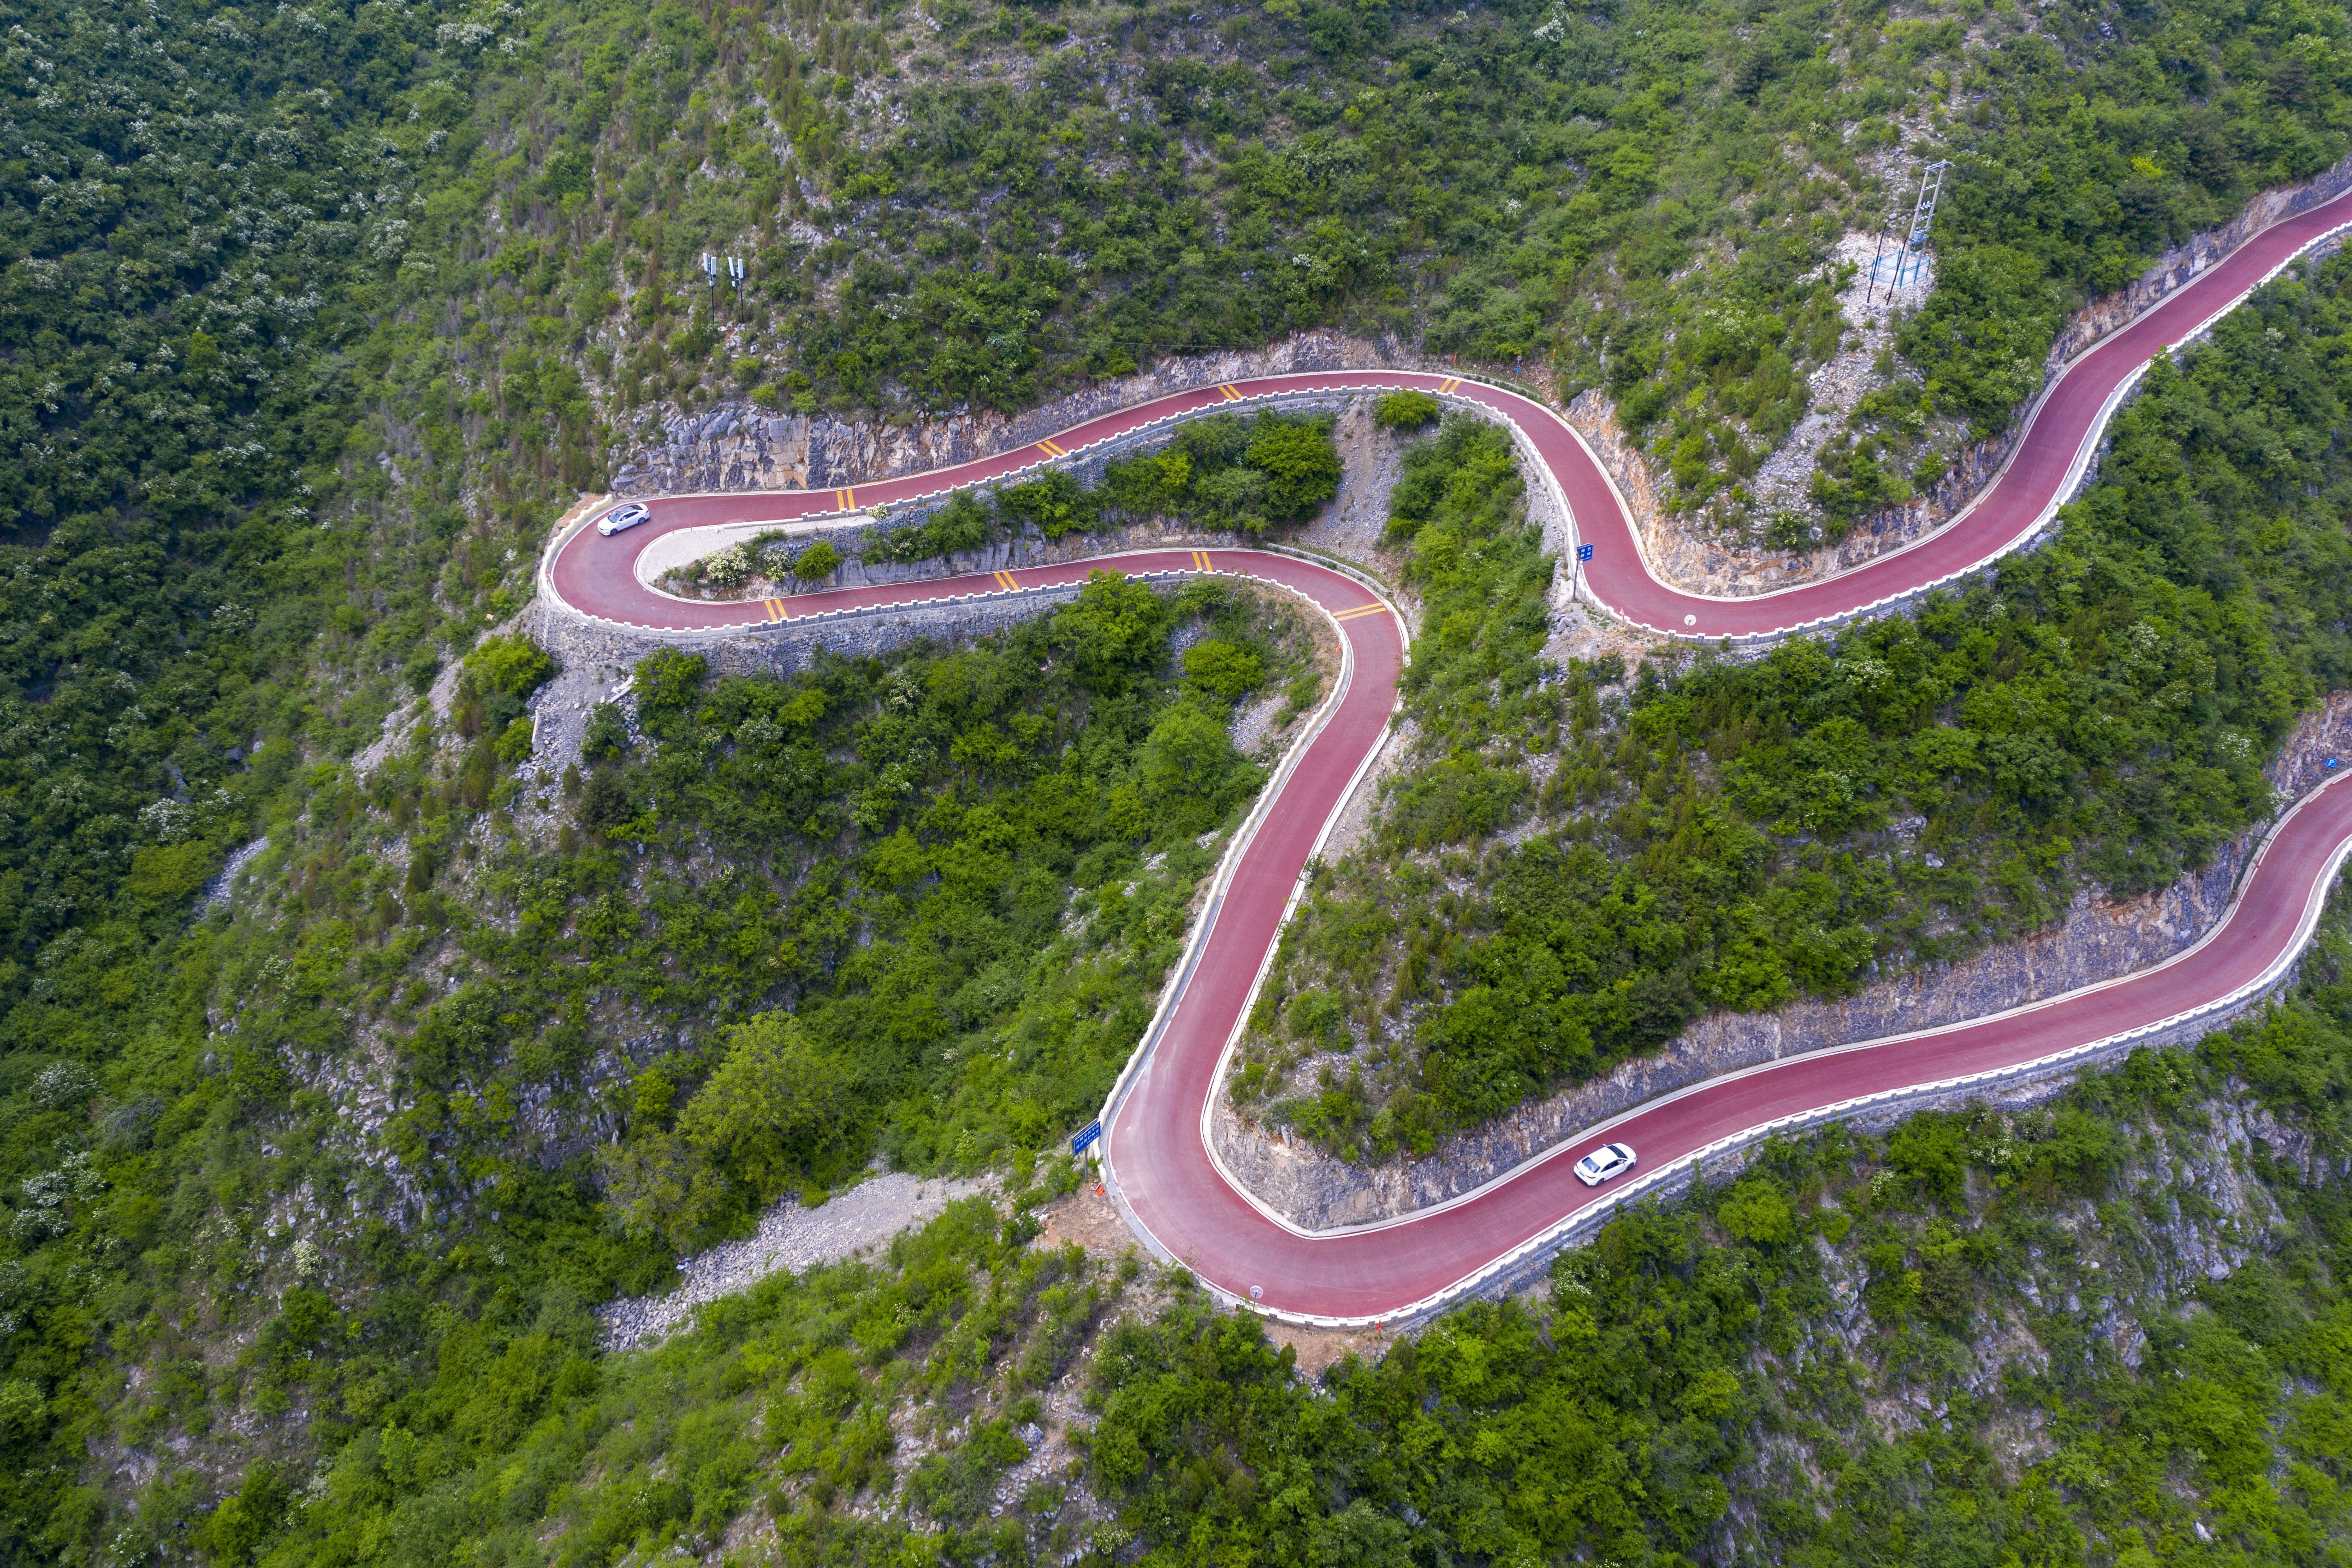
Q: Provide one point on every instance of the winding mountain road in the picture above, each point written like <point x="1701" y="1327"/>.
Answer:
<point x="1157" y="1155"/>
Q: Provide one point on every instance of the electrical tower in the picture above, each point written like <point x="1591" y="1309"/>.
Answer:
<point x="1923" y="218"/>
<point x="1909" y="259"/>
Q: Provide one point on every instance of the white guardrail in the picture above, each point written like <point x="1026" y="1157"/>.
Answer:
<point x="1598" y="1212"/>
<point x="1180" y="978"/>
<point x="1616" y="1197"/>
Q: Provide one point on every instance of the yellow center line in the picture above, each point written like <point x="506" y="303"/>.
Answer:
<point x="1201" y="559"/>
<point x="1360" y="611"/>
<point x="1051" y="450"/>
<point x="1229" y="394"/>
<point x="1005" y="580"/>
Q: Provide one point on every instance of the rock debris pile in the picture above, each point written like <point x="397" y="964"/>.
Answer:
<point x="790" y="1239"/>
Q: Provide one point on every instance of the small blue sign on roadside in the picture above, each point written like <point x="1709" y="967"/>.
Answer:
<point x="1079" y="1144"/>
<point x="1584" y="553"/>
<point x="2331" y="762"/>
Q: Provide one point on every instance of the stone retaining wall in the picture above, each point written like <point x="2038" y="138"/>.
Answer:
<point x="790" y="646"/>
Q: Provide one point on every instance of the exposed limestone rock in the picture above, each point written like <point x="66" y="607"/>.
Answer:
<point x="1683" y="552"/>
<point x="739" y="447"/>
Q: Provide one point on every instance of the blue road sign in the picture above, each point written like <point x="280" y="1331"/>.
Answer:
<point x="1584" y="553"/>
<point x="1079" y="1143"/>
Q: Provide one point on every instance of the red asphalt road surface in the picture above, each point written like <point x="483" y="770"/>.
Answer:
<point x="1155" y="1147"/>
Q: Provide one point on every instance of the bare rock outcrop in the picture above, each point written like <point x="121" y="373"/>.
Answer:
<point x="736" y="446"/>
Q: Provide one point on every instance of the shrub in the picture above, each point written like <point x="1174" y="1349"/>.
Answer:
<point x="666" y="684"/>
<point x="960" y="525"/>
<point x="1226" y="670"/>
<point x="607" y="734"/>
<point x="514" y="740"/>
<point x="729" y="568"/>
<point x="1406" y="410"/>
<point x="1054" y="504"/>
<point x="1301" y="464"/>
<point x="1227" y="475"/>
<point x="817" y="562"/>
<point x="512" y="666"/>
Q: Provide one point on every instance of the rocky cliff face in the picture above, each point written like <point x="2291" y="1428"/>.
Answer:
<point x="2201" y="1205"/>
<point x="2098" y="939"/>
<point x="737" y="445"/>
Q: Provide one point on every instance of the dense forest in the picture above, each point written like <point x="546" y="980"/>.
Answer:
<point x="319" y="314"/>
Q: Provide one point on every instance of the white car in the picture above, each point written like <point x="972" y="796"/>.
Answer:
<point x="1608" y="1161"/>
<point x="621" y="516"/>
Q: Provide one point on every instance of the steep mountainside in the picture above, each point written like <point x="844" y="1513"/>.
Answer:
<point x="347" y="1066"/>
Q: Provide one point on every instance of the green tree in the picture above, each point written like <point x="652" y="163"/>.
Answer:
<point x="1301" y="466"/>
<point x="773" y="1108"/>
<point x="1189" y="769"/>
<point x="1226" y="671"/>
<point x="666" y="683"/>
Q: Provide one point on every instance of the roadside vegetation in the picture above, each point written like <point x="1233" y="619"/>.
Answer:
<point x="1978" y="1333"/>
<point x="1719" y="832"/>
<point x="1249" y="477"/>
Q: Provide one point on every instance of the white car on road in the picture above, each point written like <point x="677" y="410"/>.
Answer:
<point x="1608" y="1161"/>
<point x="621" y="516"/>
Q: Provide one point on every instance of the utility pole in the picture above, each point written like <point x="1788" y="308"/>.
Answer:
<point x="1870" y="286"/>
